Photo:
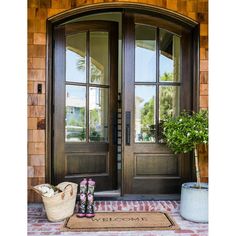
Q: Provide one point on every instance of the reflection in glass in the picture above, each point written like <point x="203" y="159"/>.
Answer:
<point x="75" y="117"/>
<point x="145" y="53"/>
<point x="98" y="58"/>
<point x="98" y="114"/>
<point x="76" y="57"/>
<point x="145" y="113"/>
<point x="169" y="101"/>
<point x="169" y="56"/>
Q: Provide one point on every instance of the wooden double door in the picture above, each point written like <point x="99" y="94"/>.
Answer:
<point x="156" y="80"/>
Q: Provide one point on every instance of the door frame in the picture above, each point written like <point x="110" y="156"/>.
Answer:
<point x="159" y="12"/>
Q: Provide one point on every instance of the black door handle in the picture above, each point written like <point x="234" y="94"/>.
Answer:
<point x="127" y="127"/>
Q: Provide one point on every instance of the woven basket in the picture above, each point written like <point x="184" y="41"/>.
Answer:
<point x="62" y="204"/>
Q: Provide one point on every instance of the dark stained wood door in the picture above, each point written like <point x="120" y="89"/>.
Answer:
<point x="85" y="103"/>
<point x="157" y="81"/>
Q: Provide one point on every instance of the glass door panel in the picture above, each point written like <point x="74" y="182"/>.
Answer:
<point x="145" y="53"/>
<point x="92" y="107"/>
<point x="98" y="114"/>
<point x="169" y="101"/>
<point x="169" y="56"/>
<point x="145" y="113"/>
<point x="99" y="45"/>
<point x="76" y="57"/>
<point x="157" y="55"/>
<point x="75" y="117"/>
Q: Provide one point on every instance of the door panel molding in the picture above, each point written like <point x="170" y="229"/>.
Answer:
<point x="98" y="169"/>
<point x="167" y="162"/>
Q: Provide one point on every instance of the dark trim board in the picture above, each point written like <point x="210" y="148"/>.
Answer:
<point x="49" y="103"/>
<point x="196" y="68"/>
<point x="153" y="11"/>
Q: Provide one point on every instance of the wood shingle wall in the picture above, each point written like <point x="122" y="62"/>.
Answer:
<point x="38" y="12"/>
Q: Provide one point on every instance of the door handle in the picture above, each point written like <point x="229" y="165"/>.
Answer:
<point x="127" y="127"/>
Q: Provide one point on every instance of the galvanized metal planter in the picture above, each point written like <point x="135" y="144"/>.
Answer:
<point x="194" y="202"/>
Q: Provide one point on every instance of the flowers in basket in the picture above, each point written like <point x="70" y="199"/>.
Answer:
<point x="48" y="190"/>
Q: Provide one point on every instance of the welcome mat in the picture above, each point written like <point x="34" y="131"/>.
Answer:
<point x="121" y="221"/>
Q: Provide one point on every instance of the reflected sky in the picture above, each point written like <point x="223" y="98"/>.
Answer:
<point x="166" y="65"/>
<point x="145" y="92"/>
<point x="145" y="63"/>
<point x="76" y="92"/>
<point x="72" y="72"/>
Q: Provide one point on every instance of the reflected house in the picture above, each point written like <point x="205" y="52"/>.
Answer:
<point x="145" y="118"/>
<point x="98" y="104"/>
<point x="74" y="113"/>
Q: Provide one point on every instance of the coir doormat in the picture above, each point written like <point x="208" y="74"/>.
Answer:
<point x="121" y="221"/>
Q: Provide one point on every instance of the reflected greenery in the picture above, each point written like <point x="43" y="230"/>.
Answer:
<point x="94" y="134"/>
<point x="168" y="100"/>
<point x="168" y="105"/>
<point x="74" y="133"/>
<point x="95" y="73"/>
<point x="147" y="121"/>
<point x="75" y="123"/>
<point x="75" y="118"/>
<point x="81" y="64"/>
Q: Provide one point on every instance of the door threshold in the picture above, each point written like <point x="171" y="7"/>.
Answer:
<point x="115" y="195"/>
<point x="108" y="196"/>
<point x="150" y="197"/>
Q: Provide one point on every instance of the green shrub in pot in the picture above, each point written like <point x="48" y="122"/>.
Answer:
<point x="183" y="134"/>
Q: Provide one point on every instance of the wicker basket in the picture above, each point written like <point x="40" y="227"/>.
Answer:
<point x="62" y="204"/>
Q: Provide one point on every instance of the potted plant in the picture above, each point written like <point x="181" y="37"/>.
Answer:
<point x="183" y="134"/>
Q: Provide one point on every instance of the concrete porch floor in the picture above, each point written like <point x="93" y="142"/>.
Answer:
<point x="38" y="224"/>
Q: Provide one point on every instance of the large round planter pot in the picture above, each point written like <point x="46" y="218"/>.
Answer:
<point x="194" y="202"/>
